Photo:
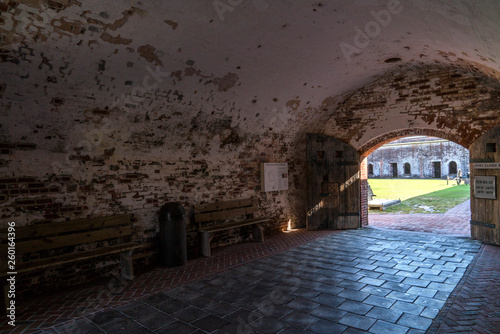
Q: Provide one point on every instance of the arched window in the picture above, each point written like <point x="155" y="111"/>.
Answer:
<point x="407" y="169"/>
<point x="452" y="168"/>
<point x="370" y="169"/>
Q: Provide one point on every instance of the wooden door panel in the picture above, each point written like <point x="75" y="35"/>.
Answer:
<point x="485" y="212"/>
<point x="333" y="186"/>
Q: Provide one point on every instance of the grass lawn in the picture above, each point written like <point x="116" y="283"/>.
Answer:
<point x="419" y="196"/>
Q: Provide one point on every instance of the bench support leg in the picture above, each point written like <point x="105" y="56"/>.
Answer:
<point x="205" y="239"/>
<point x="127" y="264"/>
<point x="258" y="232"/>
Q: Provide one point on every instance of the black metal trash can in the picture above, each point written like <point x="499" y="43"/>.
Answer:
<point x="172" y="219"/>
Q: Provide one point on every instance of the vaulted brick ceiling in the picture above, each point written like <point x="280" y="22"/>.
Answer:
<point x="178" y="75"/>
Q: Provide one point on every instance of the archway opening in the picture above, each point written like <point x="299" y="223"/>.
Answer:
<point x="433" y="197"/>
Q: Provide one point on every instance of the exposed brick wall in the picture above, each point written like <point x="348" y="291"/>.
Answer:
<point x="444" y="102"/>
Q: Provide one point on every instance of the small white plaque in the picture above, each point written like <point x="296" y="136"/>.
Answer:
<point x="486" y="165"/>
<point x="274" y="176"/>
<point x="485" y="187"/>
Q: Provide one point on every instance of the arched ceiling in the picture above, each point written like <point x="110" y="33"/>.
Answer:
<point x="258" y="65"/>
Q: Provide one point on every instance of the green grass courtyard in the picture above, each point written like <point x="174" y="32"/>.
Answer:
<point x="419" y="195"/>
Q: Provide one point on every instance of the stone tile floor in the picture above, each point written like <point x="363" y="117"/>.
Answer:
<point x="300" y="282"/>
<point x="356" y="281"/>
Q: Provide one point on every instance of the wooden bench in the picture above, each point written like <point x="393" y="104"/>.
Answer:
<point x="39" y="241"/>
<point x="229" y="211"/>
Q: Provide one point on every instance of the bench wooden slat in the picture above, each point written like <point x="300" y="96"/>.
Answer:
<point x="226" y="214"/>
<point x="72" y="239"/>
<point x="200" y="208"/>
<point x="230" y="212"/>
<point x="223" y="227"/>
<point x="68" y="258"/>
<point x="34" y="231"/>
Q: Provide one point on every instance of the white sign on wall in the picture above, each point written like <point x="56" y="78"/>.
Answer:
<point x="486" y="165"/>
<point x="485" y="187"/>
<point x="274" y="176"/>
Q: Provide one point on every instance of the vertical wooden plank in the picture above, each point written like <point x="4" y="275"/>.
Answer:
<point x="333" y="190"/>
<point x="485" y="213"/>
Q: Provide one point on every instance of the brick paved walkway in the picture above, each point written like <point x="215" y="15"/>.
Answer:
<point x="454" y="222"/>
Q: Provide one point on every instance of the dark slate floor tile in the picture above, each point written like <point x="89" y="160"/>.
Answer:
<point x="443" y="287"/>
<point x="273" y="310"/>
<point x="378" y="291"/>
<point x="249" y="303"/>
<point x="409" y="274"/>
<point x="121" y="325"/>
<point x="156" y="299"/>
<point x="407" y="297"/>
<point x="171" y="306"/>
<point x="352" y="285"/>
<point x="414" y="321"/>
<point x="177" y="327"/>
<point x="391" y="278"/>
<point x="292" y="330"/>
<point x="384" y="314"/>
<point x="354" y="331"/>
<point x="305" y="293"/>
<point x="401" y="287"/>
<point x="431" y="302"/>
<point x="301" y="304"/>
<point x="83" y="326"/>
<point x="328" y="313"/>
<point x="353" y="295"/>
<point x="407" y="307"/>
<point x="425" y="292"/>
<point x="203" y="301"/>
<point x="382" y="327"/>
<point x="155" y="321"/>
<point x="417" y="282"/>
<point x="103" y="317"/>
<point x="267" y="325"/>
<point x="430" y="312"/>
<point x="372" y="281"/>
<point x="365" y="266"/>
<point x="348" y="276"/>
<point x="243" y="316"/>
<point x="230" y="296"/>
<point x="442" y="295"/>
<point x="331" y="289"/>
<point x="299" y="319"/>
<point x="234" y="328"/>
<point x="210" y="323"/>
<point x="357" y="321"/>
<point x="329" y="300"/>
<point x="138" y="330"/>
<point x="183" y="295"/>
<point x="370" y="274"/>
<point x="326" y="327"/>
<point x="135" y="310"/>
<point x="355" y="307"/>
<point x="190" y="314"/>
<point x="222" y="309"/>
<point x="379" y="301"/>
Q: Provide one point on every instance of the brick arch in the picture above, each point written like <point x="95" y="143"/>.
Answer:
<point x="381" y="140"/>
<point x="375" y="143"/>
